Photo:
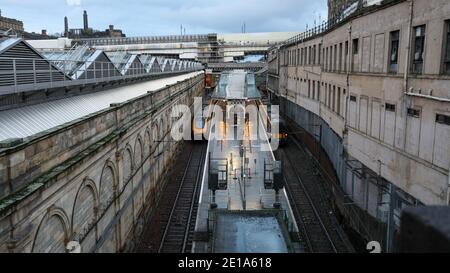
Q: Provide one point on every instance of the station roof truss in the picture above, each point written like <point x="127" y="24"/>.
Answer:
<point x="151" y="63"/>
<point x="166" y="65"/>
<point x="21" y="64"/>
<point x="126" y="63"/>
<point x="24" y="69"/>
<point x="84" y="63"/>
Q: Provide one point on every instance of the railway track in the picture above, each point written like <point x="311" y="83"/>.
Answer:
<point x="321" y="233"/>
<point x="177" y="205"/>
<point x="177" y="236"/>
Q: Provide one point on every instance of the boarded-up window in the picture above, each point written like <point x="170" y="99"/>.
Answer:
<point x="363" y="115"/>
<point x="441" y="156"/>
<point x="352" y="111"/>
<point x="412" y="132"/>
<point x="366" y="55"/>
<point x="378" y="61"/>
<point x="389" y="126"/>
<point x="376" y="119"/>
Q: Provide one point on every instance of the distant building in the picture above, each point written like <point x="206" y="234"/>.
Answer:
<point x="114" y="32"/>
<point x="336" y="7"/>
<point x="9" y="23"/>
<point x="87" y="32"/>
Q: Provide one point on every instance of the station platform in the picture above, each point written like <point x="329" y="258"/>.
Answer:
<point x="245" y="216"/>
<point x="249" y="232"/>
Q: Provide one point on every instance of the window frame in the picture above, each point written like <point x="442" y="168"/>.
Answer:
<point x="391" y="47"/>
<point x="390" y="107"/>
<point x="355" y="49"/>
<point x="446" y="49"/>
<point x="415" y="63"/>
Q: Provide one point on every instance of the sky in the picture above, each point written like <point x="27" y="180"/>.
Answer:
<point x="164" y="17"/>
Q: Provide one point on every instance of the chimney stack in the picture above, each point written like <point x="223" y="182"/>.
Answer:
<point x="85" y="21"/>
<point x="66" y="27"/>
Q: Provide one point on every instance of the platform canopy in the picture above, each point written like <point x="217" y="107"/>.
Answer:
<point x="237" y="85"/>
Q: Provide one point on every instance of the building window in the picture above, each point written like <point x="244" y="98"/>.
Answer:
<point x="447" y="48"/>
<point x="309" y="55"/>
<point x="301" y="56"/>
<point x="305" y="61"/>
<point x="355" y="46"/>
<point x="419" y="48"/>
<point x="339" y="101"/>
<point x="320" y="52"/>
<point x="340" y="57"/>
<point x="390" y="107"/>
<point x="346" y="56"/>
<point x="353" y="98"/>
<point x="414" y="112"/>
<point x="335" y="65"/>
<point x="334" y="99"/>
<point x="314" y="55"/>
<point x="443" y="119"/>
<point x="318" y="91"/>
<point x="395" y="42"/>
<point x="314" y="90"/>
<point x="309" y="88"/>
<point x="330" y="60"/>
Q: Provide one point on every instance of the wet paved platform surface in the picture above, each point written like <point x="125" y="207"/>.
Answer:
<point x="243" y="233"/>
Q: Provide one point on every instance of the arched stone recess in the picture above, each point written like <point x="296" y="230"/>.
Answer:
<point x="168" y="119"/>
<point x="138" y="155"/>
<point x="161" y="146"/>
<point x="154" y="161"/>
<point x="52" y="234"/>
<point x="107" y="208"/>
<point x="155" y="138"/>
<point x="107" y="186"/>
<point x="167" y="144"/>
<point x="127" y="165"/>
<point x="147" y="158"/>
<point x="138" y="185"/>
<point x="126" y="204"/>
<point x="84" y="215"/>
<point x="147" y="143"/>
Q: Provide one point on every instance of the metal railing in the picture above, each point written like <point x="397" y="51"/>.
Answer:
<point x="29" y="74"/>
<point x="353" y="8"/>
<point x="144" y="40"/>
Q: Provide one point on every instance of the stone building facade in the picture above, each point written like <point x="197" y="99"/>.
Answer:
<point x="9" y="23"/>
<point x="335" y="7"/>
<point x="94" y="180"/>
<point x="378" y="84"/>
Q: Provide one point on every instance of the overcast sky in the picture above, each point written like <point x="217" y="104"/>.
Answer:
<point x="159" y="17"/>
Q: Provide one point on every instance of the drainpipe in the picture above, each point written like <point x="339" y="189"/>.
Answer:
<point x="349" y="65"/>
<point x="408" y="47"/>
<point x="407" y="67"/>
